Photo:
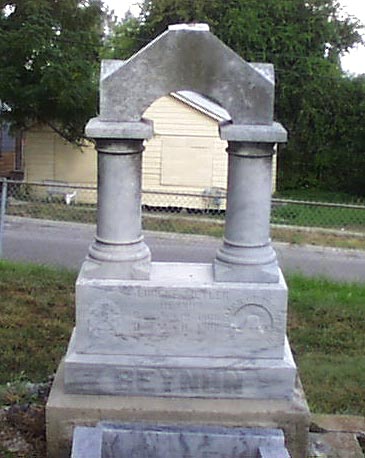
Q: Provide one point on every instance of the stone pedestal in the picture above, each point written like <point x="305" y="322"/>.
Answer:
<point x="65" y="411"/>
<point x="180" y="334"/>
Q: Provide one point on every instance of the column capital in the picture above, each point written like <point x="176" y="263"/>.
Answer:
<point x="98" y="128"/>
<point x="252" y="133"/>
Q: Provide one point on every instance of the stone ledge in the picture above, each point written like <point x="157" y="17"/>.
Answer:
<point x="137" y="130"/>
<point x="271" y="133"/>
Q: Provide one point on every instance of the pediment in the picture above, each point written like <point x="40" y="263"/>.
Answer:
<point x="187" y="58"/>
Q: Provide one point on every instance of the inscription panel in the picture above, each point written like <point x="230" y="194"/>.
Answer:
<point x="275" y="381"/>
<point x="142" y="440"/>
<point x="182" y="321"/>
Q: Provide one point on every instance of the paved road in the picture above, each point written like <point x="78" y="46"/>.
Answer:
<point x="65" y="244"/>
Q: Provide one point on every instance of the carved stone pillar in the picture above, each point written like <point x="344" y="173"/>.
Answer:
<point x="246" y="254"/>
<point x="118" y="250"/>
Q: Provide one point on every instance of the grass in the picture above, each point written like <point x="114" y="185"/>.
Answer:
<point x="326" y="330"/>
<point x="327" y="333"/>
<point x="57" y="211"/>
<point x="316" y="238"/>
<point x="319" y="216"/>
<point x="37" y="313"/>
<point x="317" y="195"/>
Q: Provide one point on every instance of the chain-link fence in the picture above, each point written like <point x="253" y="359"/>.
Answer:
<point x="172" y="212"/>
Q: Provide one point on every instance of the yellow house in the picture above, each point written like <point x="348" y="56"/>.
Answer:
<point x="185" y="157"/>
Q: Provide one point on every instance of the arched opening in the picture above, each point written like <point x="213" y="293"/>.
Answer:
<point x="185" y="163"/>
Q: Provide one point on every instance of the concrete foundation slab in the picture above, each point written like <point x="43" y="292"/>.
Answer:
<point x="65" y="411"/>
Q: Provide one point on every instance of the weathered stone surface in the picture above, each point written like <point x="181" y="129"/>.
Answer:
<point x="119" y="250"/>
<point x="334" y="445"/>
<point x="87" y="443"/>
<point x="187" y="58"/>
<point x="180" y="376"/>
<point x="274" y="133"/>
<point x="273" y="452"/>
<point x="97" y="128"/>
<point x="65" y="411"/>
<point x="246" y="254"/>
<point x="160" y="441"/>
<point x="160" y="337"/>
<point x="180" y="311"/>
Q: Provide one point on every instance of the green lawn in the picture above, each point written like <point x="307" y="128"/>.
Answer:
<point x="319" y="216"/>
<point x="286" y="214"/>
<point x="326" y="331"/>
<point x="327" y="334"/>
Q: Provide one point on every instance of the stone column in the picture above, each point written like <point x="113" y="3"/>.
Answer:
<point x="118" y="250"/>
<point x="246" y="254"/>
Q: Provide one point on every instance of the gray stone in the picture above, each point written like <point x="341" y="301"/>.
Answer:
<point x="138" y="130"/>
<point x="274" y="133"/>
<point x="180" y="376"/>
<point x="180" y="334"/>
<point x="180" y="311"/>
<point x="196" y="60"/>
<point x="87" y="443"/>
<point x="174" y="342"/>
<point x="189" y="57"/>
<point x="65" y="411"/>
<point x="119" y="250"/>
<point x="273" y="452"/>
<point x="246" y="254"/>
<point x="161" y="441"/>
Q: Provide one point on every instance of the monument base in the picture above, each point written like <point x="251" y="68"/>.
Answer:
<point x="65" y="411"/>
<point x="179" y="376"/>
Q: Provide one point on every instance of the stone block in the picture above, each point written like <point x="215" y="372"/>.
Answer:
<point x="180" y="376"/>
<point x="182" y="312"/>
<point x="87" y="442"/>
<point x="273" y="452"/>
<point x="274" y="133"/>
<point x="141" y="440"/>
<point x="187" y="58"/>
<point x="97" y="128"/>
<point x="66" y="411"/>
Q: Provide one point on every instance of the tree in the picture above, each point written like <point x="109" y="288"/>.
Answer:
<point x="121" y="42"/>
<point x="49" y="53"/>
<point x="304" y="39"/>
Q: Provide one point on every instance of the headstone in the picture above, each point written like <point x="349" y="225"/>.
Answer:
<point x="146" y="441"/>
<point x="179" y="330"/>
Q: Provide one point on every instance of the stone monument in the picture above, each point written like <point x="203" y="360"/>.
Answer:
<point x="178" y="342"/>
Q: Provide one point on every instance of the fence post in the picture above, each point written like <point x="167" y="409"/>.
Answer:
<point x="4" y="195"/>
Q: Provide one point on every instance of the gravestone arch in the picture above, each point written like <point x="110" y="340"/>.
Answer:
<point x="186" y="57"/>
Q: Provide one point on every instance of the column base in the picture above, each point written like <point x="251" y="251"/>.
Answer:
<point x="126" y="262"/>
<point x="246" y="264"/>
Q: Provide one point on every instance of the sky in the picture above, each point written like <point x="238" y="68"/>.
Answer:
<point x="353" y="62"/>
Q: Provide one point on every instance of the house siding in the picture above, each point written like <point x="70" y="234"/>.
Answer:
<point x="186" y="155"/>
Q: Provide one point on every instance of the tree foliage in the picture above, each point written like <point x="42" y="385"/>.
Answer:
<point x="304" y="39"/>
<point x="48" y="62"/>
